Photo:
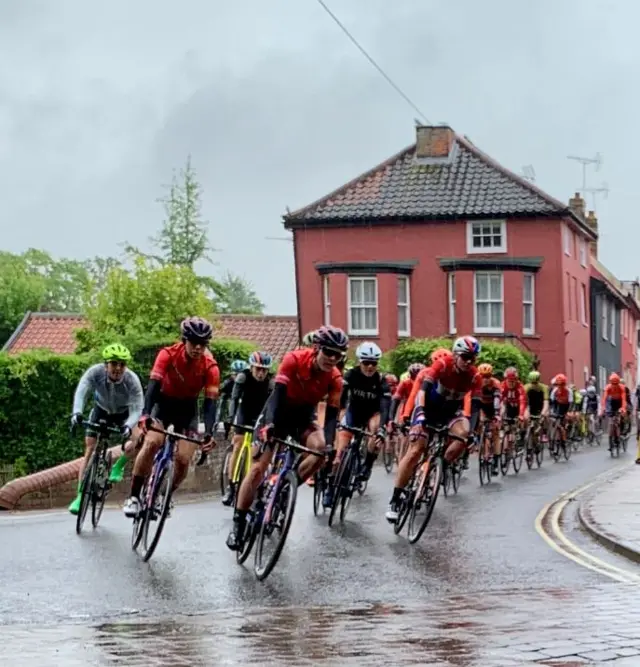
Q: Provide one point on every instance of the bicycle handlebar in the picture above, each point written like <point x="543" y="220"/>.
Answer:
<point x="176" y="436"/>
<point x="244" y="429"/>
<point x="298" y="447"/>
<point x="101" y="426"/>
<point x="356" y="431"/>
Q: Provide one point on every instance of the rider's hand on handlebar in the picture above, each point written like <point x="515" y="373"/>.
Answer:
<point x="266" y="432"/>
<point x="208" y="443"/>
<point x="126" y="432"/>
<point x="381" y="435"/>
<point x="144" y="423"/>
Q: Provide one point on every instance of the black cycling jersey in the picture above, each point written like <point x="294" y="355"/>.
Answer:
<point x="226" y="388"/>
<point x="249" y="397"/>
<point x="365" y="396"/>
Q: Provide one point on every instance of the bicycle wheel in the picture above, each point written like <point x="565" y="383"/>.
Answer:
<point x="446" y="480"/>
<point x="539" y="450"/>
<point x="101" y="487"/>
<point x="319" y="485"/>
<point x="567" y="448"/>
<point x="157" y="509"/>
<point x="456" y="476"/>
<point x="341" y="482"/>
<point x="505" y="455"/>
<point x="224" y="470"/>
<point x="388" y="457"/>
<point x="252" y="528"/>
<point x="284" y="505"/>
<point x="518" y="455"/>
<point x="87" y="490"/>
<point x="529" y="449"/>
<point x="426" y="496"/>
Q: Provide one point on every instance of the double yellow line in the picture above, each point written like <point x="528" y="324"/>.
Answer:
<point x="547" y="525"/>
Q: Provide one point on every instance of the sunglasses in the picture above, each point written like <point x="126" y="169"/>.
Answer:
<point x="369" y="363"/>
<point x="332" y="354"/>
<point x="468" y="357"/>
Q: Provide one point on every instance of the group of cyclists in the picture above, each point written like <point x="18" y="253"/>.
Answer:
<point x="449" y="389"/>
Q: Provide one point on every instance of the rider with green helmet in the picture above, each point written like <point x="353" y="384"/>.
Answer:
<point x="118" y="399"/>
<point x="537" y="395"/>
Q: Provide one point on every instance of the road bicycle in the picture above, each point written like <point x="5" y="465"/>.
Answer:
<point x="95" y="481"/>
<point x="155" y="498"/>
<point x="512" y="450"/>
<point x="485" y="451"/>
<point x="558" y="439"/>
<point x="534" y="441"/>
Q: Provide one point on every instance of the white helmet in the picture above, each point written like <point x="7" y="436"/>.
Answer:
<point x="368" y="351"/>
<point x="466" y="345"/>
<point x="591" y="390"/>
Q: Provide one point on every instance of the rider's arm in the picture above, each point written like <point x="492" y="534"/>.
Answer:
<point x="236" y="394"/>
<point x="624" y="401"/>
<point x="545" y="399"/>
<point x="160" y="365"/>
<point x="605" y="395"/>
<point x="385" y="403"/>
<point x="497" y="397"/>
<point x="136" y="400"/>
<point x="522" y="400"/>
<point x="332" y="410"/>
<point x="211" y="393"/>
<point x="85" y="385"/>
<point x="344" y="396"/>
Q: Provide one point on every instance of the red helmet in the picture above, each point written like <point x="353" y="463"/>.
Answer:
<point x="614" y="378"/>
<point x="561" y="379"/>
<point x="440" y="353"/>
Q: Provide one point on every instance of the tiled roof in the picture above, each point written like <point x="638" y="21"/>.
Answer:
<point x="55" y="331"/>
<point x="467" y="184"/>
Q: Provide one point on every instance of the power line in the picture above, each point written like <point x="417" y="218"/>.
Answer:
<point x="374" y="63"/>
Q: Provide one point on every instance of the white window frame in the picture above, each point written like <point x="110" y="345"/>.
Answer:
<point x="531" y="304"/>
<point x="602" y="378"/>
<point x="583" y="304"/>
<point x="566" y="233"/>
<point x="326" y="297"/>
<point x="407" y="305"/>
<point x="451" y="295"/>
<point x="502" y="248"/>
<point x="350" y="306"/>
<point x="604" y="315"/>
<point x="583" y="252"/>
<point x="612" y="323"/>
<point x="476" y="328"/>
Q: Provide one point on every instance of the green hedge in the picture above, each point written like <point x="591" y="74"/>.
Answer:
<point x="499" y="355"/>
<point x="36" y="394"/>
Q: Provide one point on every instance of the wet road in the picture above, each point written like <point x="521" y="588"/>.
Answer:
<point x="481" y="587"/>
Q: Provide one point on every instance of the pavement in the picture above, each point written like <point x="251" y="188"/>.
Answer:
<point x="481" y="588"/>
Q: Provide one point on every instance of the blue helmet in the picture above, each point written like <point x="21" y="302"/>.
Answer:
<point x="237" y="366"/>
<point x="260" y="359"/>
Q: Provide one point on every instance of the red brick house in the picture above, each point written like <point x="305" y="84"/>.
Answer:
<point x="440" y="239"/>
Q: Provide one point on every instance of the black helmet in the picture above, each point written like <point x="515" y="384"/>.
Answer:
<point x="196" y="330"/>
<point x="331" y="337"/>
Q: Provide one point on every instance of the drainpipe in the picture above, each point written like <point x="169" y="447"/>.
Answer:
<point x="295" y="262"/>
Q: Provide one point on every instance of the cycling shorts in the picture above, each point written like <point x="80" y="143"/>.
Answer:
<point x="115" y="420"/>
<point x="181" y="413"/>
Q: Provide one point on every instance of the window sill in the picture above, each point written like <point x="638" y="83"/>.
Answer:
<point x="364" y="334"/>
<point x="498" y="332"/>
<point x="487" y="251"/>
<point x="404" y="334"/>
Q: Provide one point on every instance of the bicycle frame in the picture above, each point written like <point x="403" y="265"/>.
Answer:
<point x="247" y="442"/>
<point x="160" y="462"/>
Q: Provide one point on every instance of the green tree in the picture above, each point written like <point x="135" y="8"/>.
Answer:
<point x="234" y="294"/>
<point x="147" y="302"/>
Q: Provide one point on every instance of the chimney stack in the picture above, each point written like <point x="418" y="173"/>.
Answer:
<point x="592" y="222"/>
<point x="577" y="205"/>
<point x="434" y="141"/>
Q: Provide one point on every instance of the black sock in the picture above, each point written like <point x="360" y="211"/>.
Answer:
<point x="136" y="486"/>
<point x="397" y="494"/>
<point x="369" y="459"/>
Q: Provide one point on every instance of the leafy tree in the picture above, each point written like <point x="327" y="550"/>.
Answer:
<point x="234" y="294"/>
<point x="148" y="301"/>
<point x="99" y="268"/>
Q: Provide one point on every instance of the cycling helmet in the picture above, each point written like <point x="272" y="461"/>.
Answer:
<point x="116" y="352"/>
<point x="583" y="392"/>
<point x="486" y="370"/>
<point x="534" y="376"/>
<point x="392" y="380"/>
<point x="237" y="366"/>
<point x="368" y="352"/>
<point x="307" y="340"/>
<point x="414" y="369"/>
<point x="614" y="378"/>
<point x="332" y="338"/>
<point x="560" y="379"/>
<point x="196" y="330"/>
<point x="510" y="373"/>
<point x="467" y="345"/>
<point x="591" y="390"/>
<point x="260" y="359"/>
<point x="440" y="353"/>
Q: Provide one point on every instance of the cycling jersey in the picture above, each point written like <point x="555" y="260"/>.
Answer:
<point x="616" y="394"/>
<point x="226" y="388"/>
<point x="590" y="404"/>
<point x="536" y="394"/>
<point x="410" y="403"/>
<point x="364" y="397"/>
<point x="485" y="398"/>
<point x="249" y="396"/>
<point x="400" y="395"/>
<point x="489" y="392"/>
<point x="560" y="396"/>
<point x="182" y="376"/>
<point x="306" y="384"/>
<point x="114" y="398"/>
<point x="514" y="398"/>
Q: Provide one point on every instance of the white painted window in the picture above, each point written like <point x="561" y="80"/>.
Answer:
<point x="404" y="307"/>
<point x="488" y="303"/>
<point x="604" y="307"/>
<point x="612" y="324"/>
<point x="363" y="306"/>
<point x="566" y="234"/>
<point x="583" y="252"/>
<point x="528" y="303"/>
<point x="583" y="304"/>
<point x="327" y="299"/>
<point x="452" y="303"/>
<point x="488" y="236"/>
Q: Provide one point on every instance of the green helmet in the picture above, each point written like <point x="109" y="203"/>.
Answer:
<point x="534" y="376"/>
<point x="116" y="352"/>
<point x="307" y="340"/>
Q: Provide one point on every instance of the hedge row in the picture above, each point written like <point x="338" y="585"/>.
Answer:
<point x="36" y="394"/>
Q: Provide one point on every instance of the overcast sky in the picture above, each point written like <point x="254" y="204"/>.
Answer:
<point x="100" y="101"/>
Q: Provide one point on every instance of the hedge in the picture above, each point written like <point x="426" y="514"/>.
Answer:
<point x="36" y="394"/>
<point x="499" y="355"/>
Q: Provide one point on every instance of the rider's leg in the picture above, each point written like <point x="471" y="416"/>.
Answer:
<point x="460" y="428"/>
<point x="89" y="445"/>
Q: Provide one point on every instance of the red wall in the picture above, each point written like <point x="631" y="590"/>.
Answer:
<point x="427" y="243"/>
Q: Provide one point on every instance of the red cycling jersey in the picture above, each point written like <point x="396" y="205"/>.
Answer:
<point x="306" y="383"/>
<point x="182" y="376"/>
<point x="561" y="395"/>
<point x="615" y="392"/>
<point x="514" y="395"/>
<point x="410" y="403"/>
<point x="487" y="390"/>
<point x="451" y="383"/>
<point x="403" y="390"/>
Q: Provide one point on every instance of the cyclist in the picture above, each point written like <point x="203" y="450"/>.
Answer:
<point x="537" y="397"/>
<point x="250" y="392"/>
<point x="118" y="401"/>
<point x="392" y="383"/>
<point x="514" y="400"/>
<point x="365" y="399"/>
<point x="439" y="402"/>
<point x="226" y="389"/>
<point x="304" y="377"/>
<point x="561" y="399"/>
<point x="486" y="400"/>
<point x="614" y="398"/>
<point x="626" y="417"/>
<point x="407" y="412"/>
<point x="403" y="391"/>
<point x="591" y="406"/>
<point x="180" y="373"/>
